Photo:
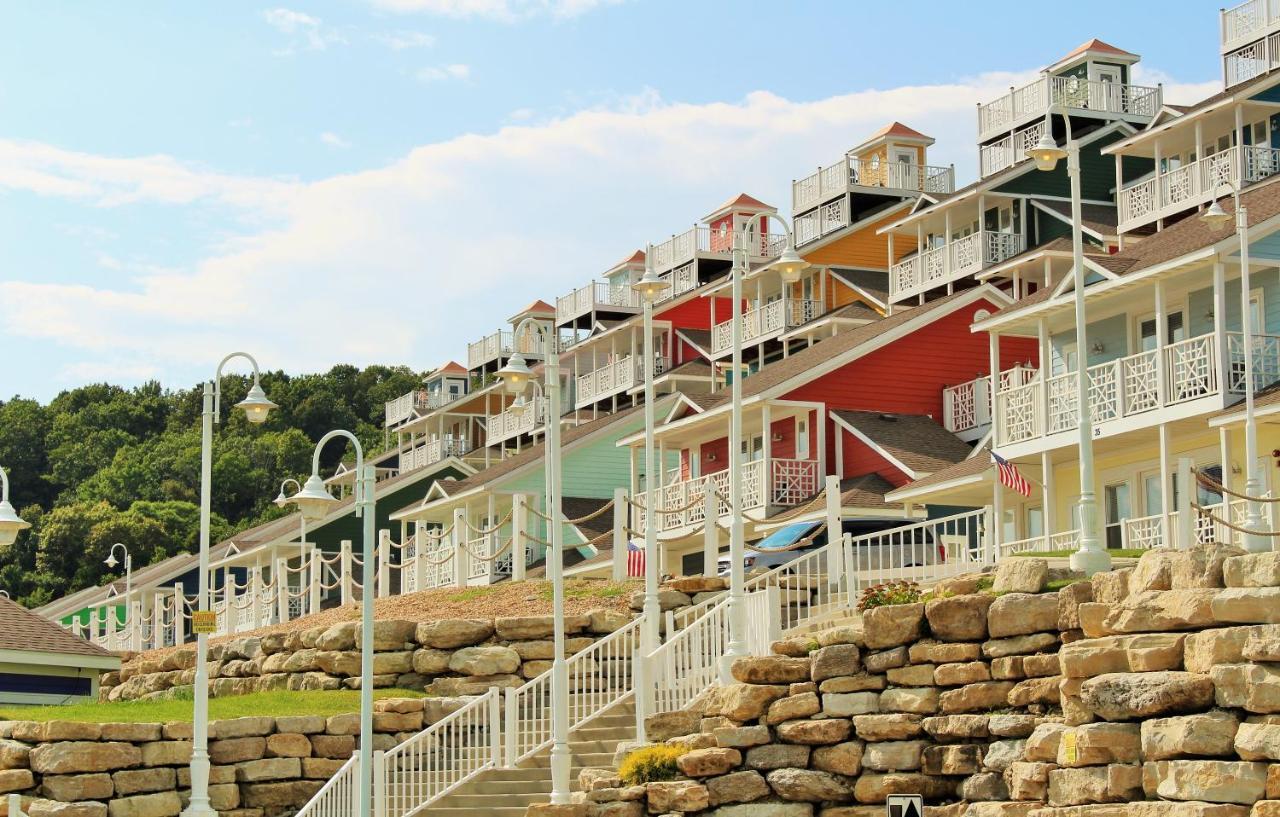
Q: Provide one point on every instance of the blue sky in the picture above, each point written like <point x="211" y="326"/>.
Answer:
<point x="383" y="181"/>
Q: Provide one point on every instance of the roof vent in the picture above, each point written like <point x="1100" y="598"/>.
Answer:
<point x="889" y="418"/>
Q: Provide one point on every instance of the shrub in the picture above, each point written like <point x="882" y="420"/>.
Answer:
<point x="650" y="764"/>
<point x="882" y="595"/>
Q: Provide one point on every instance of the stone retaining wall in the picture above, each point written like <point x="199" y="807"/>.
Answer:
<point x="262" y="766"/>
<point x="443" y="657"/>
<point x="1147" y="692"/>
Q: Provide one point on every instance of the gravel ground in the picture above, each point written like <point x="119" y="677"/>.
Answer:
<point x="529" y="598"/>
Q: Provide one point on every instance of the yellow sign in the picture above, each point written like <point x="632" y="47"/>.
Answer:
<point x="1069" y="746"/>
<point x="204" y="622"/>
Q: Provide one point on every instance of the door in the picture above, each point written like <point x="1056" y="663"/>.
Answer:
<point x="1147" y="331"/>
<point x="1108" y="93"/>
<point x="1118" y="509"/>
<point x="904" y="170"/>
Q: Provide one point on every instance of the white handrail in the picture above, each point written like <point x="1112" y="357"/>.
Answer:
<point x="339" y="796"/>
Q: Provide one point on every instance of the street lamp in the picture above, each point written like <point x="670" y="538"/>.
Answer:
<point x="650" y="288"/>
<point x="281" y="501"/>
<point x="1090" y="557"/>
<point x="516" y="377"/>
<point x="789" y="265"/>
<point x="111" y="561"/>
<point x="1217" y="218"/>
<point x="256" y="407"/>
<point x="10" y="523"/>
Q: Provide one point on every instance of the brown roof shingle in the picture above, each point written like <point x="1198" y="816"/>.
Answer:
<point x="21" y="629"/>
<point x="915" y="440"/>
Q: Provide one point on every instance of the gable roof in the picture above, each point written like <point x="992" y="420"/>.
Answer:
<point x="972" y="469"/>
<point x="1100" y="220"/>
<point x="742" y="201"/>
<point x="452" y="367"/>
<point x="538" y="307"/>
<point x="1098" y="46"/>
<point x="866" y="491"/>
<point x="23" y="631"/>
<point x="915" y="443"/>
<point x="871" y="284"/>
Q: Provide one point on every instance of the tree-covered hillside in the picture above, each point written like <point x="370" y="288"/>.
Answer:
<point x="101" y="464"/>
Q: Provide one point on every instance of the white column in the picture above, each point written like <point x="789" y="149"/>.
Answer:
<point x="620" y="537"/>
<point x="282" y="589"/>
<point x="835" y="533"/>
<point x="1048" y="509"/>
<point x="519" y="536"/>
<point x="384" y="564"/>
<point x="344" y="562"/>
<point x="459" y="536"/>
<point x="1166" y="501"/>
<point x="316" y="578"/>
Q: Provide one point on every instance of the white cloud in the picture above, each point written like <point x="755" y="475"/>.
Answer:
<point x="507" y="11"/>
<point x="333" y="140"/>
<point x="303" y="29"/>
<point x="243" y="122"/>
<point x="401" y="40"/>
<point x="407" y="262"/>
<point x="440" y="73"/>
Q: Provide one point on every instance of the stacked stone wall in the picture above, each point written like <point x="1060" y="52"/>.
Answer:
<point x="1144" y="692"/>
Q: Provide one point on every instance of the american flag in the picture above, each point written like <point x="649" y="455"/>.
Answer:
<point x="635" y="561"/>
<point x="1009" y="476"/>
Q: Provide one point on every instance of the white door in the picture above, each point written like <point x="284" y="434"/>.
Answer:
<point x="1108" y="93"/>
<point x="1117" y="509"/>
<point x="904" y="171"/>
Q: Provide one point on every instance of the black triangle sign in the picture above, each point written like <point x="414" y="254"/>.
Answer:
<point x="904" y="805"/>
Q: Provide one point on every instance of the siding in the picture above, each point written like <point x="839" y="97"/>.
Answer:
<point x="862" y="249"/>
<point x="1200" y="304"/>
<point x="1112" y="333"/>
<point x="1097" y="175"/>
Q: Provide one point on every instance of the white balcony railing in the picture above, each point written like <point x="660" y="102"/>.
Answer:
<point x="1193" y="184"/>
<point x="775" y="482"/>
<point x="953" y="260"/>
<point x="1132" y="385"/>
<point x="967" y="406"/>
<point x="682" y="248"/>
<point x="1010" y="150"/>
<point x="1248" y="21"/>
<point x="765" y="322"/>
<point x="502" y="344"/>
<point x="1075" y="94"/>
<point x="597" y="295"/>
<point x="850" y="172"/>
<point x="614" y="378"/>
<point x="401" y="408"/>
<point x="512" y="423"/>
<point x="1251" y="60"/>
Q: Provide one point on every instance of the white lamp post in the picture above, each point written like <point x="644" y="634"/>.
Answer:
<point x="1217" y="218"/>
<point x="789" y="265"/>
<point x="112" y="562"/>
<point x="256" y="407"/>
<point x="650" y="288"/>
<point x="314" y="501"/>
<point x="10" y="523"/>
<point x="281" y="500"/>
<point x="516" y="377"/>
<point x="1091" y="557"/>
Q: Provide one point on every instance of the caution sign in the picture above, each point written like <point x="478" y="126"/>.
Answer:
<point x="1069" y="751"/>
<point x="904" y="805"/>
<point x="204" y="622"/>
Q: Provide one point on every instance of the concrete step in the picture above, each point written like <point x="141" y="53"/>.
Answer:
<point x="511" y="811"/>
<point x="493" y="801"/>
<point x="594" y="759"/>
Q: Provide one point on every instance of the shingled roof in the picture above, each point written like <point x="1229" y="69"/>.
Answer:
<point x="23" y="631"/>
<point x="914" y="440"/>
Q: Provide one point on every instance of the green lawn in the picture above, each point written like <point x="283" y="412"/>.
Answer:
<point x="1064" y="554"/>
<point x="179" y="709"/>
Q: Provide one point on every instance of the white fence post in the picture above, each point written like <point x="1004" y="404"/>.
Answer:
<point x="384" y="564"/>
<point x="643" y="684"/>
<point x="157" y="620"/>
<point x="315" y="579"/>
<point x="835" y="546"/>
<point x="495" y="721"/>
<point x="420" y="557"/>
<point x="513" y="724"/>
<point x="282" y="589"/>
<point x="773" y="600"/>
<point x="619" y="534"/>
<point x="710" y="533"/>
<point x="255" y="596"/>
<point x="379" y="769"/>
<point x="179" y="608"/>
<point x="355" y="787"/>
<point x="15" y="806"/>
<point x="1186" y="495"/>
<point x="229" y="624"/>
<point x="344" y="561"/>
<point x="460" y="568"/>
<point x="989" y="545"/>
<point x="519" y="527"/>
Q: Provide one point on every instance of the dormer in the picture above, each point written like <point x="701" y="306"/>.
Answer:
<point x="889" y="167"/>
<point x="732" y="217"/>
<point x="627" y="271"/>
<point x="611" y="299"/>
<point x="1091" y="85"/>
<point x="446" y="384"/>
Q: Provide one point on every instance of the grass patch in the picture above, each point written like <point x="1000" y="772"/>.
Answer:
<point x="1057" y="584"/>
<point x="178" y="708"/>
<point x="473" y="593"/>
<point x="1119" y="553"/>
<point x="588" y="589"/>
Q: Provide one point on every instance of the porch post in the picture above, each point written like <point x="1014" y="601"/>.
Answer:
<point x="766" y="420"/>
<point x="819" y="422"/>
<point x="1223" y="354"/>
<point x="282" y="589"/>
<point x="997" y="507"/>
<point x="710" y="532"/>
<point x="459" y="540"/>
<point x="229" y="616"/>
<point x="384" y="564"/>
<point x="178" y="609"/>
<point x="344" y="561"/>
<point x="1186" y="515"/>
<point x="1048" y="512"/>
<point x="315" y="579"/>
<point x="835" y="533"/>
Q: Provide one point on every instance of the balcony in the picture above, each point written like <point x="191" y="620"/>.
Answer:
<point x="1143" y="532"/>
<point x="1010" y="150"/>
<point x="764" y="323"/>
<point x="966" y="408"/>
<point x="423" y="455"/>
<point x="511" y="423"/>
<point x="613" y="378"/>
<point x="1077" y="95"/>
<point x="501" y="345"/>
<point x="1191" y="185"/>
<point x="952" y="261"/>
<point x="597" y="296"/>
<point x="1250" y="36"/>
<point x="765" y="484"/>
<point x="1035" y="407"/>
<point x="403" y="407"/>
<point x="852" y="174"/>
<point x="698" y="241"/>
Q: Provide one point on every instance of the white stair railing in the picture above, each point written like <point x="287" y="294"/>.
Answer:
<point x="339" y="796"/>
<point x="440" y="758"/>
<point x="599" y="677"/>
<point x="921" y="552"/>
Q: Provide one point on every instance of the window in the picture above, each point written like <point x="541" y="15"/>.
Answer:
<point x="1147" y="330"/>
<point x="1117" y="509"/>
<point x="1257" y="315"/>
<point x="1065" y="359"/>
<point x="802" y="438"/>
<point x="1035" y="521"/>
<point x="44" y="684"/>
<point x="753" y="448"/>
